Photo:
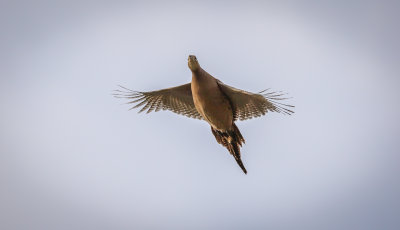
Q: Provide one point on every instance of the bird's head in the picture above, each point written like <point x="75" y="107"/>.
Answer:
<point x="193" y="63"/>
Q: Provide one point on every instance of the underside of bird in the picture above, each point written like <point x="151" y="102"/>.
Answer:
<point x="232" y="140"/>
<point x="207" y="98"/>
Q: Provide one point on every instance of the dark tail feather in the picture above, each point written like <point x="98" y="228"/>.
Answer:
<point x="232" y="140"/>
<point x="234" y="149"/>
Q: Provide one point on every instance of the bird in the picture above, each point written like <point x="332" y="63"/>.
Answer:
<point x="209" y="99"/>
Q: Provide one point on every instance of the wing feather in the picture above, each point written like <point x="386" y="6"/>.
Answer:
<point x="248" y="105"/>
<point x="176" y="99"/>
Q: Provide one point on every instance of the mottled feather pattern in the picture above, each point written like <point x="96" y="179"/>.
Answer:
<point x="176" y="99"/>
<point x="232" y="140"/>
<point x="248" y="105"/>
<point x="179" y="100"/>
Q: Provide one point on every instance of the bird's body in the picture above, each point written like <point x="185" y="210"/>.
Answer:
<point x="215" y="107"/>
<point x="211" y="103"/>
<point x="209" y="99"/>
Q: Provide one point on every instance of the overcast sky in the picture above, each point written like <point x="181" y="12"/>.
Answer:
<point x="74" y="157"/>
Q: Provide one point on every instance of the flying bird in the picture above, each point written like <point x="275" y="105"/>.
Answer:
<point x="207" y="98"/>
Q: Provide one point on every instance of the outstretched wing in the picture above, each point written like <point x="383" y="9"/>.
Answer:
<point x="176" y="99"/>
<point x="247" y="105"/>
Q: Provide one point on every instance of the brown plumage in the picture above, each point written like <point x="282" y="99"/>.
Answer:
<point x="232" y="140"/>
<point x="209" y="99"/>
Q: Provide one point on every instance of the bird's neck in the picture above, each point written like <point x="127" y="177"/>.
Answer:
<point x="198" y="74"/>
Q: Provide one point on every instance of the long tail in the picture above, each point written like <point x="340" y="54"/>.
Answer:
<point x="232" y="140"/>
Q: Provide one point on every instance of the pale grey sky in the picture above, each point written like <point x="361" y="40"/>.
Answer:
<point x="73" y="157"/>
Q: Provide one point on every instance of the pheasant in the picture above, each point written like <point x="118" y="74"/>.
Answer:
<point x="207" y="98"/>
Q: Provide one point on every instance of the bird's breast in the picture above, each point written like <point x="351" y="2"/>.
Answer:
<point x="211" y="103"/>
